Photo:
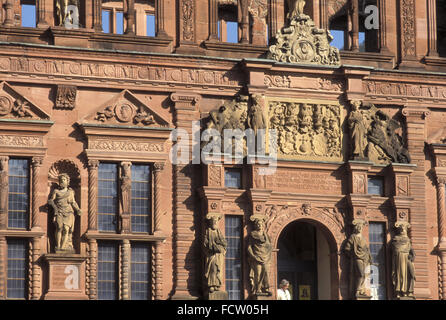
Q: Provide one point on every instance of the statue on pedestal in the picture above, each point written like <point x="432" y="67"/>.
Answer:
<point x="64" y="205"/>
<point x="215" y="249"/>
<point x="358" y="125"/>
<point x="259" y="257"/>
<point x="403" y="271"/>
<point x="358" y="251"/>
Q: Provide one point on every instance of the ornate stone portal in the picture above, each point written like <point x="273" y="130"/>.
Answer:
<point x="300" y="41"/>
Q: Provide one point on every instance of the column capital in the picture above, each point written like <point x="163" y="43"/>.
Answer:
<point x="37" y="161"/>
<point x="93" y="164"/>
<point x="158" y="166"/>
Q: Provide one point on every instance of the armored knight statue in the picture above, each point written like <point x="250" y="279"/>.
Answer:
<point x="67" y="17"/>
<point x="358" y="251"/>
<point x="215" y="249"/>
<point x="64" y="205"/>
<point x="259" y="257"/>
<point x="403" y="271"/>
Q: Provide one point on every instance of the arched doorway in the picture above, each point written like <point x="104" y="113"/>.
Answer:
<point x="304" y="260"/>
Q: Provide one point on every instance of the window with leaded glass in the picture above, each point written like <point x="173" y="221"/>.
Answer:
<point x="140" y="216"/>
<point x="233" y="258"/>
<point x="140" y="285"/>
<point x="376" y="186"/>
<point x="377" y="242"/>
<point x="233" y="178"/>
<point x="16" y="287"/>
<point x="107" y="196"/>
<point x="107" y="275"/>
<point x="18" y="196"/>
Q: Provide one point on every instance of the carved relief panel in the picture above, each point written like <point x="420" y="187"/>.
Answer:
<point x="307" y="129"/>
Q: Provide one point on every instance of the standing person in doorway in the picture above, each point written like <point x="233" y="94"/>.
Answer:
<point x="283" y="293"/>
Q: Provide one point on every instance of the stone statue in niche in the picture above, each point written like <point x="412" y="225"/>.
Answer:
<point x="300" y="41"/>
<point x="358" y="125"/>
<point x="215" y="250"/>
<point x="373" y="135"/>
<point x="256" y="118"/>
<point x="259" y="257"/>
<point x="64" y="205"/>
<point x="125" y="199"/>
<point x="67" y="12"/>
<point x="358" y="252"/>
<point x="403" y="270"/>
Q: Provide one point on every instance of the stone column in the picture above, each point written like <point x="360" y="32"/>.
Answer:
<point x="36" y="165"/>
<point x="441" y="246"/>
<point x="35" y="281"/>
<point x="157" y="168"/>
<point x="354" y="11"/>
<point x="3" y="261"/>
<point x="41" y="10"/>
<point x="258" y="11"/>
<point x="243" y="19"/>
<point x="187" y="42"/>
<point x="159" y="18"/>
<point x="213" y="20"/>
<point x="158" y="270"/>
<point x="415" y="122"/>
<point x="125" y="266"/>
<point x="92" y="194"/>
<point x="432" y="28"/>
<point x="9" y="13"/>
<point x="4" y="190"/>
<point x="185" y="247"/>
<point x="383" y="46"/>
<point x="408" y="34"/>
<point x="97" y="15"/>
<point x="92" y="265"/>
<point x="129" y="10"/>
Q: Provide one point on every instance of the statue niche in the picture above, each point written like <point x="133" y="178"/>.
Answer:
<point x="373" y="135"/>
<point x="64" y="177"/>
<point x="67" y="13"/>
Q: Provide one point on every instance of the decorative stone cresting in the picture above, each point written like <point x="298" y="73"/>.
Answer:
<point x="300" y="41"/>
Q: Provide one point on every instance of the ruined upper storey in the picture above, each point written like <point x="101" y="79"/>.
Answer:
<point x="379" y="33"/>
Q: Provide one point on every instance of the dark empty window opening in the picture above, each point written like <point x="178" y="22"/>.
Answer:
<point x="376" y="185"/>
<point x="228" y="29"/>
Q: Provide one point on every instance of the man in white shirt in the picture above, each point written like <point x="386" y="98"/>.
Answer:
<point x="282" y="292"/>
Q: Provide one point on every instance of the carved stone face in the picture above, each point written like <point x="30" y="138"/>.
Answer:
<point x="260" y="226"/>
<point x="63" y="181"/>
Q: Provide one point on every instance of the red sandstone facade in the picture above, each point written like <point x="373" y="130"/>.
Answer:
<point x="66" y="77"/>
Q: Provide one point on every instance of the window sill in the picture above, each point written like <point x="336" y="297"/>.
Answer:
<point x="131" y="42"/>
<point x="435" y="63"/>
<point x="17" y="233"/>
<point x="121" y="236"/>
<point x="234" y="50"/>
<point x="372" y="59"/>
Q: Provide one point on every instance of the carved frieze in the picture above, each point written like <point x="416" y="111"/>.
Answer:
<point x="307" y="130"/>
<point x="119" y="71"/>
<point x="21" y="141"/>
<point x="125" y="145"/>
<point x="408" y="27"/>
<point x="188" y="19"/>
<point x="65" y="97"/>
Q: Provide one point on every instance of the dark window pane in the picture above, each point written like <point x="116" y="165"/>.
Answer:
<point x="18" y="196"/>
<point x="376" y="186"/>
<point x="140" y="272"/>
<point x="233" y="178"/>
<point x="17" y="269"/>
<point x="233" y="258"/>
<point x="140" y="216"/>
<point x="107" y="196"/>
<point x="377" y="240"/>
<point x="107" y="271"/>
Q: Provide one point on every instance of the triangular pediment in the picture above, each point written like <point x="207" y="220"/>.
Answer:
<point x="125" y="109"/>
<point x="14" y="105"/>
